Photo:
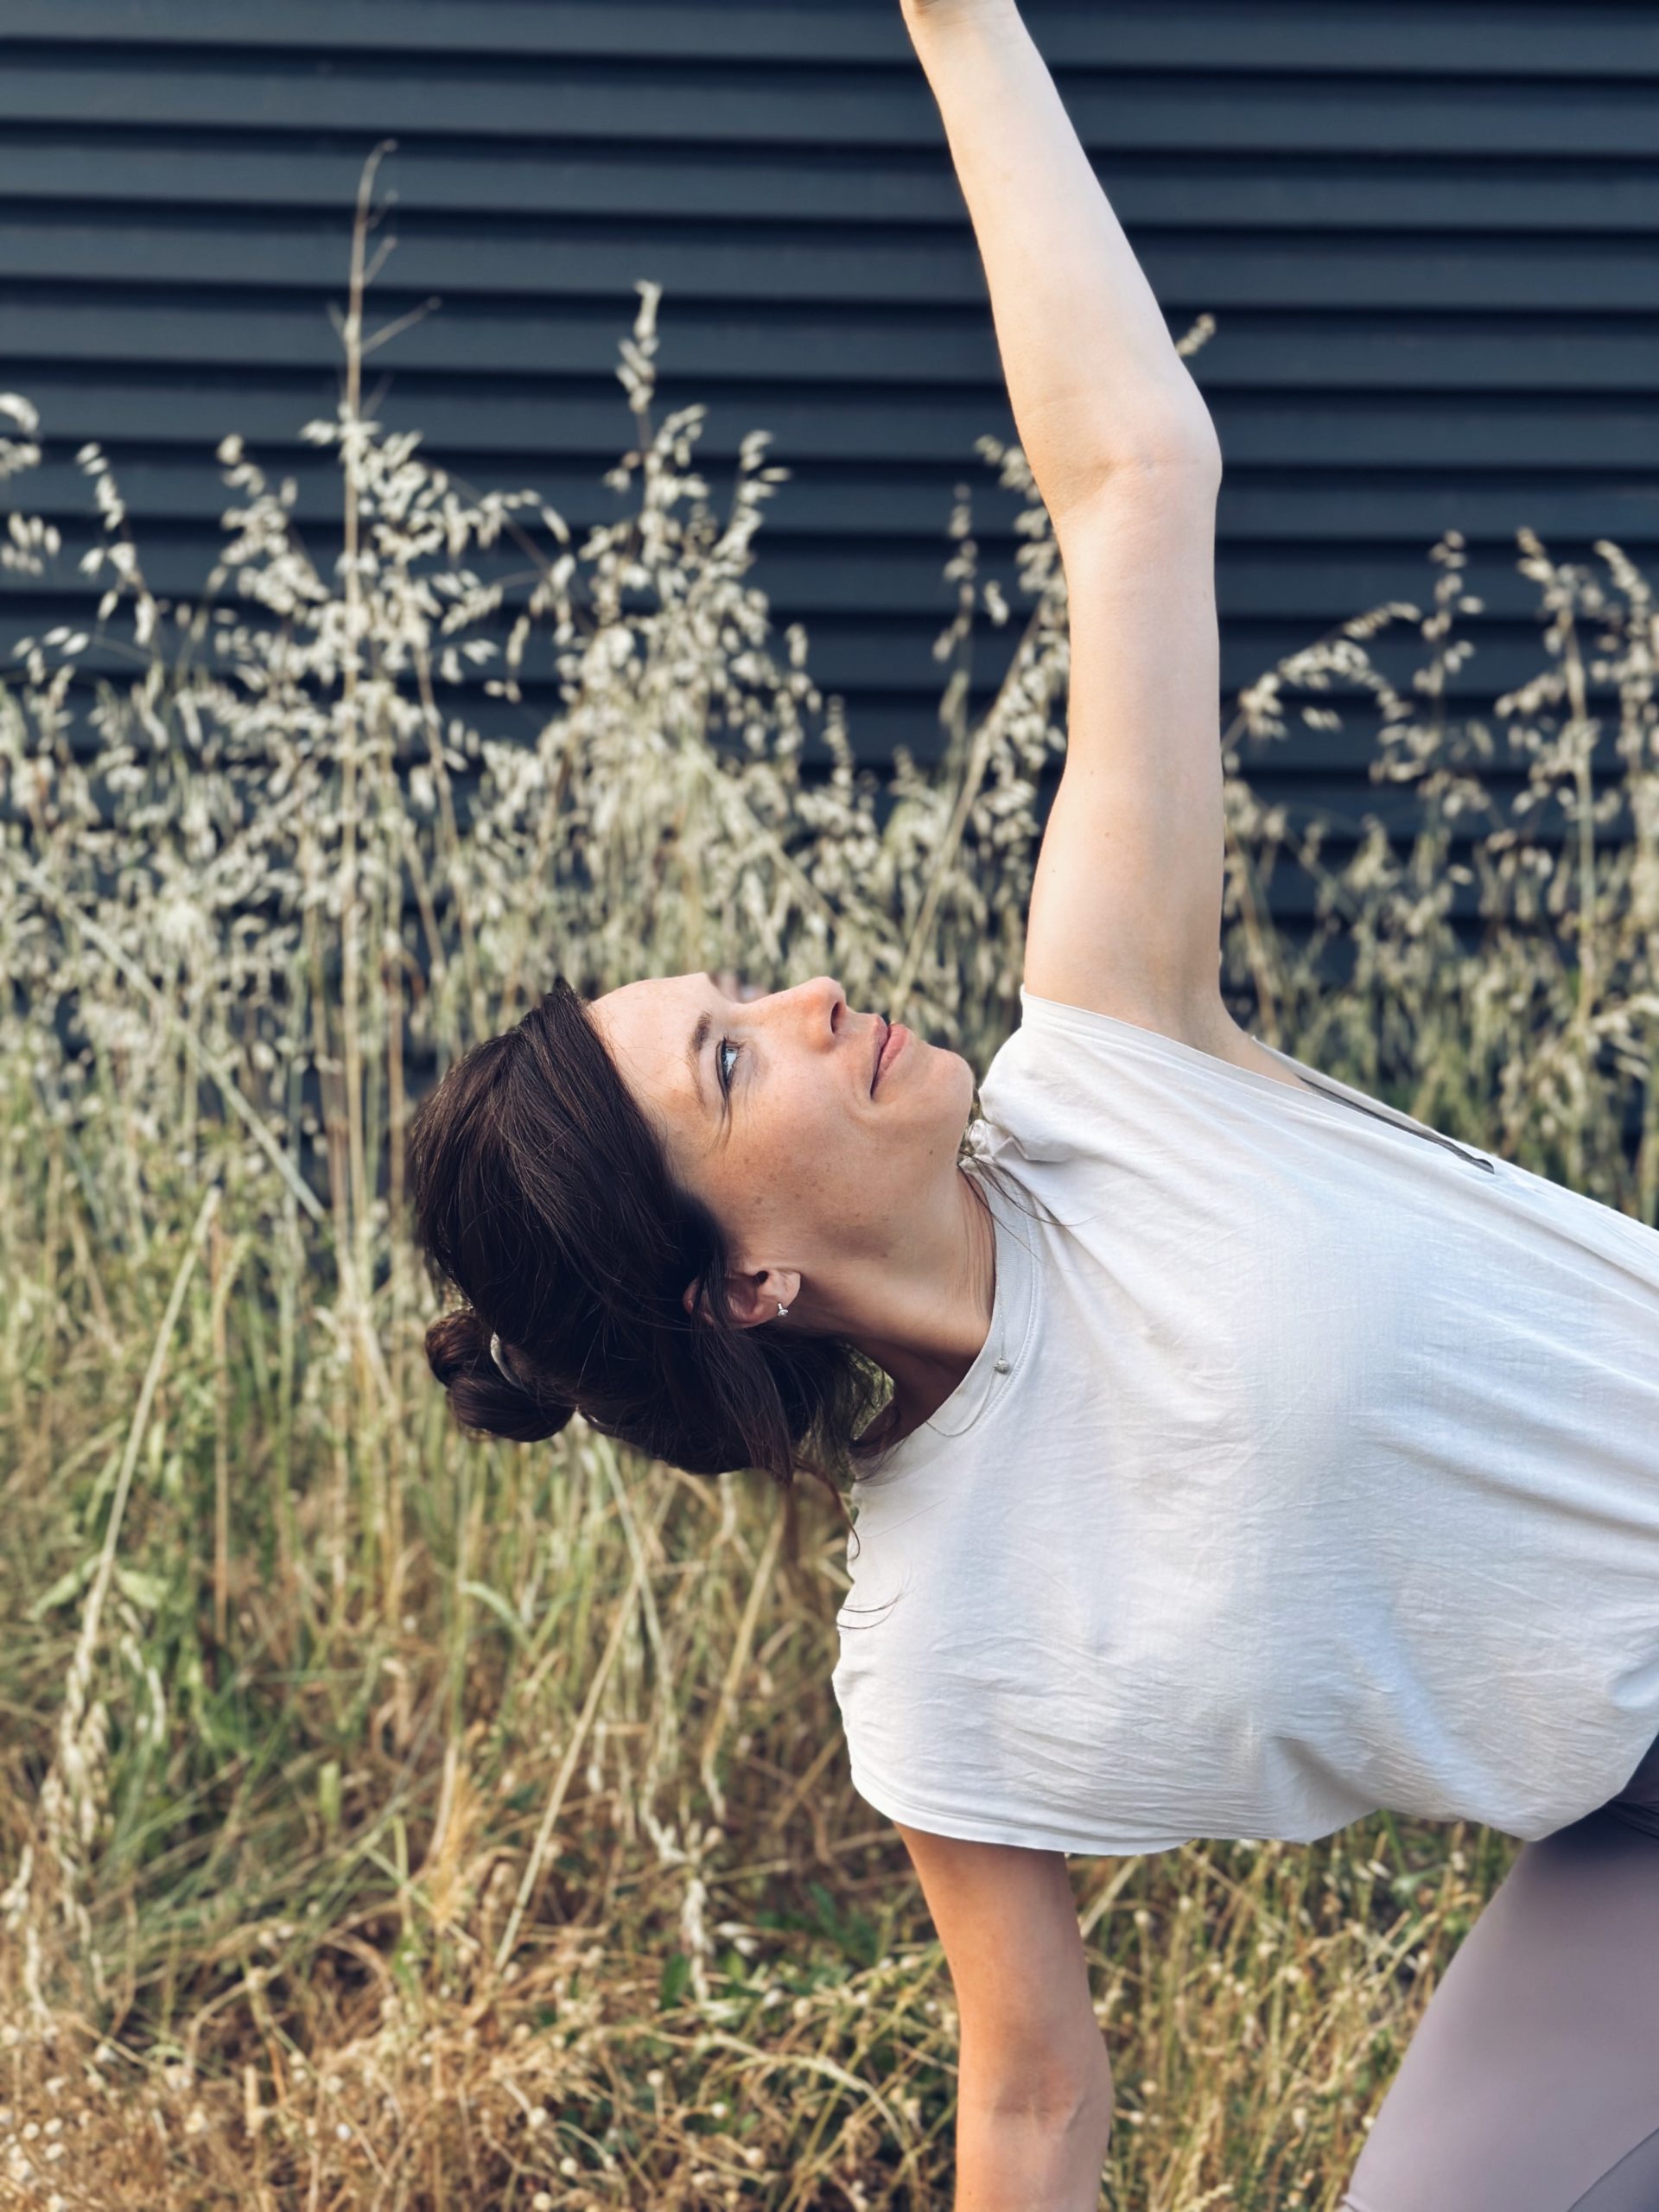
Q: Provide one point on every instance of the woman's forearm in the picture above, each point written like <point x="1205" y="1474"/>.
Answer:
<point x="1093" y="372"/>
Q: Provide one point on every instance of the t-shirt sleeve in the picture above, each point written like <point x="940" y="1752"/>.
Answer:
<point x="1030" y="1094"/>
<point x="1063" y="1077"/>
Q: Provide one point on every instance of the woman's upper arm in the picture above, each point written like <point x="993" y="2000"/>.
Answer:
<point x="1126" y="904"/>
<point x="1008" y="1924"/>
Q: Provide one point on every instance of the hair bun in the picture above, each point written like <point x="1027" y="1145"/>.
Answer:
<point x="483" y="1395"/>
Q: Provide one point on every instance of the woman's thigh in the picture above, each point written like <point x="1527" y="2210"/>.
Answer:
<point x="1532" y="2083"/>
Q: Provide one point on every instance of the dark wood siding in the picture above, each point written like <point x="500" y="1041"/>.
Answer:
<point x="1427" y="234"/>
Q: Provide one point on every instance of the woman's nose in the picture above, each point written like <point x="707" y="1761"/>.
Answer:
<point x="820" y="1001"/>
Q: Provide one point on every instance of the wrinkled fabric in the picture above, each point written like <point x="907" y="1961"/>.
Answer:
<point x="1310" y="1466"/>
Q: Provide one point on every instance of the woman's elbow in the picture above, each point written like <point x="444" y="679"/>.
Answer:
<point x="1066" y="2089"/>
<point x="1172" y="459"/>
<point x="1034" y="2141"/>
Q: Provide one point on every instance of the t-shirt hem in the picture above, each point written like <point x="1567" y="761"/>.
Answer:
<point x="1030" y="1835"/>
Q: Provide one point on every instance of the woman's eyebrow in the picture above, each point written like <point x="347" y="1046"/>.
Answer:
<point x="694" y="1054"/>
<point x="705" y="1022"/>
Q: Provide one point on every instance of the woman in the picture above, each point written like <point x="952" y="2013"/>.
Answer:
<point x="1255" y="1456"/>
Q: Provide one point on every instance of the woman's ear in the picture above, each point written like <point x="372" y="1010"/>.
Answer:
<point x="750" y="1297"/>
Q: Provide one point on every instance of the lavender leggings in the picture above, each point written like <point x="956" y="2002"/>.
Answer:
<point x="1532" y="2084"/>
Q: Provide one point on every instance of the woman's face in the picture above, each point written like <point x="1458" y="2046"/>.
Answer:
<point x="767" y="1109"/>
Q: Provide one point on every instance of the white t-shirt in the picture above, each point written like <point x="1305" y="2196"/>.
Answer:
<point x="1310" y="1466"/>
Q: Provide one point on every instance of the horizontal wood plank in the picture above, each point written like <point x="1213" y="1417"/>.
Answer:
<point x="1269" y="431"/>
<point x="1314" y="586"/>
<point x="249" y="253"/>
<point x="826" y="511"/>
<point x="1190" y="190"/>
<point x="466" y="342"/>
<point x="647" y="101"/>
<point x="1390" y="37"/>
<point x="867" y="658"/>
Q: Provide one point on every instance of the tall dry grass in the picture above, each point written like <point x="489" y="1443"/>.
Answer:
<point x="391" y="1819"/>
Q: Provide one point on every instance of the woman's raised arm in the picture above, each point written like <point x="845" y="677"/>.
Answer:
<point x="1126" y="905"/>
<point x="1093" y="372"/>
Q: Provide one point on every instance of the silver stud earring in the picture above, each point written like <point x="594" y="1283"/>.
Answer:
<point x="782" y="1310"/>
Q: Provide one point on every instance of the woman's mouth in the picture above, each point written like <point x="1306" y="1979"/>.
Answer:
<point x="893" y="1041"/>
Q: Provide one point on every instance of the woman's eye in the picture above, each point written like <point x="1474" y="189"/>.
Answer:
<point x="724" y="1046"/>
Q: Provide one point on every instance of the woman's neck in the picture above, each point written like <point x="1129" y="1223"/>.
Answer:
<point x="943" y="1317"/>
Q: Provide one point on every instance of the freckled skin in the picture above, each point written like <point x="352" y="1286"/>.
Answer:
<point x="825" y="1193"/>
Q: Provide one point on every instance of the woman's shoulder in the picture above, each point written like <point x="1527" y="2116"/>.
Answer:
<point x="1048" y="1080"/>
<point x="1204" y="1027"/>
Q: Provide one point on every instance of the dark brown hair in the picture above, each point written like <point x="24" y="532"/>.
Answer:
<point x="543" y="1195"/>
